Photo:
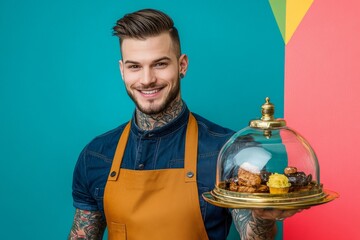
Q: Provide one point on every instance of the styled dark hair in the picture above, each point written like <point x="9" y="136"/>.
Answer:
<point x="146" y="23"/>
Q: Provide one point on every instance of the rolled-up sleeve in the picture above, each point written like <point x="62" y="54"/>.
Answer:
<point x="82" y="197"/>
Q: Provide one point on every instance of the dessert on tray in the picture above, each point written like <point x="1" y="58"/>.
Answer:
<point x="251" y="180"/>
<point x="278" y="183"/>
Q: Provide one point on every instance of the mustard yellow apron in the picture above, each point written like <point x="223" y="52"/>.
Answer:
<point x="155" y="204"/>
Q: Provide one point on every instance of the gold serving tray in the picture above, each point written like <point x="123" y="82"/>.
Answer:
<point x="224" y="198"/>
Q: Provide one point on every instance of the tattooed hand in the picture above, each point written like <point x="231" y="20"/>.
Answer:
<point x="274" y="214"/>
<point x="87" y="225"/>
<point x="253" y="227"/>
<point x="259" y="223"/>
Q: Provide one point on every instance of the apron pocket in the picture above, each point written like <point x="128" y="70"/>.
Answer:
<point x="117" y="231"/>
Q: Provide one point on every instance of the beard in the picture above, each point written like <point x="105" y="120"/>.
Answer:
<point x="154" y="109"/>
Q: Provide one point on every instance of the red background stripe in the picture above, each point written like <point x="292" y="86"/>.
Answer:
<point x="322" y="85"/>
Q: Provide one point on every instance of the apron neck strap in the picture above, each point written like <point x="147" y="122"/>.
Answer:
<point x="191" y="147"/>
<point x="119" y="153"/>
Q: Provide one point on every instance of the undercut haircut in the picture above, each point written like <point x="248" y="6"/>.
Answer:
<point x="147" y="23"/>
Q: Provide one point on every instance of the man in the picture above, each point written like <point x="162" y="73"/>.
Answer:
<point x="144" y="179"/>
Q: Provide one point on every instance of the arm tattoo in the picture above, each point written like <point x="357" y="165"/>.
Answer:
<point x="87" y="225"/>
<point x="252" y="228"/>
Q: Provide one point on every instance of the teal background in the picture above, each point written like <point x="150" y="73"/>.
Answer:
<point x="60" y="86"/>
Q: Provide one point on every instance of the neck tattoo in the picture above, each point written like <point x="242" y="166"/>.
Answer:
<point x="151" y="122"/>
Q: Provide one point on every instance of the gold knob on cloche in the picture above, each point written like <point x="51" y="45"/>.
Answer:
<point x="267" y="120"/>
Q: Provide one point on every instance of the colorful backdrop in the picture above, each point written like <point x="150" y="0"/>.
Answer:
<point x="322" y="73"/>
<point x="60" y="86"/>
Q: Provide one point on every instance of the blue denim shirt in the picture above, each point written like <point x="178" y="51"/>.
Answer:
<point x="157" y="149"/>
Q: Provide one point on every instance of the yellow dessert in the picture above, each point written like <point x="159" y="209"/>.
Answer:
<point x="278" y="183"/>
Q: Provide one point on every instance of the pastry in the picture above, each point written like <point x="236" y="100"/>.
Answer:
<point x="251" y="180"/>
<point x="248" y="179"/>
<point x="278" y="184"/>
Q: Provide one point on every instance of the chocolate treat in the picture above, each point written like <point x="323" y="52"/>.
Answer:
<point x="290" y="170"/>
<point x="264" y="175"/>
<point x="298" y="179"/>
<point x="309" y="178"/>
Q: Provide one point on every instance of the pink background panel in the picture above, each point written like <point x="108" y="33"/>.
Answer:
<point x="322" y="102"/>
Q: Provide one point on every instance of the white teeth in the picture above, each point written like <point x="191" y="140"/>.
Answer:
<point x="150" y="92"/>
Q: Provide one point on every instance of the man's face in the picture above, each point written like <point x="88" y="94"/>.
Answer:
<point x="150" y="70"/>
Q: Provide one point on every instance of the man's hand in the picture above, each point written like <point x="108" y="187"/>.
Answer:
<point x="259" y="223"/>
<point x="87" y="225"/>
<point x="274" y="214"/>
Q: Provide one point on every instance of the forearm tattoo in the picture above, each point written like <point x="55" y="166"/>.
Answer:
<point x="87" y="225"/>
<point x="150" y="122"/>
<point x="252" y="228"/>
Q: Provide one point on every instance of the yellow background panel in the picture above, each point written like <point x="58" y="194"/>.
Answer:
<point x="295" y="12"/>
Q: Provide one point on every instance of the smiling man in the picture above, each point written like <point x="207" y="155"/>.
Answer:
<point x="151" y="69"/>
<point x="144" y="179"/>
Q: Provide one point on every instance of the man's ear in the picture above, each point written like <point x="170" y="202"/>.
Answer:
<point x="183" y="64"/>
<point x="121" y="66"/>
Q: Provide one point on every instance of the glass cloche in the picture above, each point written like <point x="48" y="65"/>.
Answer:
<point x="268" y="165"/>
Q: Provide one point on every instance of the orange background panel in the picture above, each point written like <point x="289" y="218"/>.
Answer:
<point x="322" y="102"/>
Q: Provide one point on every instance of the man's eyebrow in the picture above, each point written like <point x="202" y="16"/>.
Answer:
<point x="162" y="59"/>
<point x="131" y="62"/>
<point x="155" y="61"/>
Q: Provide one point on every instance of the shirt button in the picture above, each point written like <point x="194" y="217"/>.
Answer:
<point x="141" y="166"/>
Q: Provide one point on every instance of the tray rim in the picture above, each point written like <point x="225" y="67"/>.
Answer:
<point x="214" y="200"/>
